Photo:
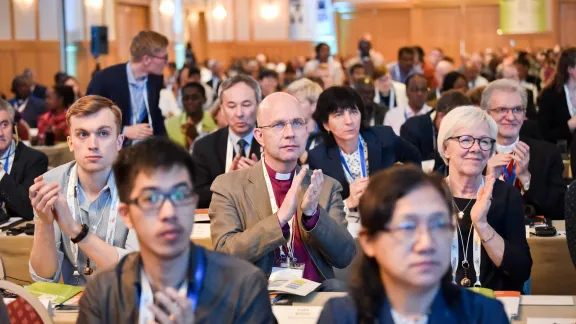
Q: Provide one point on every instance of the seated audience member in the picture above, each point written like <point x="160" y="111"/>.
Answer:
<point x="193" y="98"/>
<point x="442" y="69"/>
<point x="302" y="226"/>
<point x="373" y="112"/>
<point x="356" y="71"/>
<point x="20" y="165"/>
<point x="171" y="280"/>
<point x="534" y="167"/>
<point x="402" y="275"/>
<point x="455" y="80"/>
<point x="218" y="115"/>
<point x="269" y="82"/>
<point x="58" y="100"/>
<point x="472" y="70"/>
<point x="190" y="74"/>
<point x="75" y="204"/>
<point x="38" y="90"/>
<point x="352" y="151"/>
<point x="233" y="147"/>
<point x="416" y="90"/>
<point x="402" y="70"/>
<point x="29" y="107"/>
<point x="367" y="56"/>
<point x="389" y="93"/>
<point x="325" y="67"/>
<point x="570" y="212"/>
<point x="475" y="95"/>
<point x="422" y="131"/>
<point x="510" y="72"/>
<point x="307" y="93"/>
<point x="490" y="211"/>
<point x="423" y="64"/>
<point x="557" y="102"/>
<point x="71" y="81"/>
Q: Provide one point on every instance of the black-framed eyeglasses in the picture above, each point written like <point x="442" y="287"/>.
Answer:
<point x="408" y="231"/>
<point x="502" y="111"/>
<point x="153" y="200"/>
<point x="467" y="141"/>
<point x="296" y="123"/>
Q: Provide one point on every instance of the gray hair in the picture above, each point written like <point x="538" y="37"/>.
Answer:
<point x="504" y="85"/>
<point x="242" y="78"/>
<point x="466" y="117"/>
<point x="5" y="106"/>
<point x="307" y="88"/>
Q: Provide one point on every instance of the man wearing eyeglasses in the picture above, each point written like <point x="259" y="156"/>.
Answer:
<point x="535" y="167"/>
<point x="135" y="86"/>
<point x="287" y="220"/>
<point x="417" y="92"/>
<point x="171" y="280"/>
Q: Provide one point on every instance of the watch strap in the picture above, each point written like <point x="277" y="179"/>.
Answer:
<point x="83" y="233"/>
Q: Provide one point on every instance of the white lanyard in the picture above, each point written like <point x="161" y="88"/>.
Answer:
<point x="571" y="108"/>
<point x="476" y="250"/>
<point x="134" y="117"/>
<point x="22" y="106"/>
<point x="391" y="101"/>
<point x="272" y="197"/>
<point x="145" y="316"/>
<point x="397" y="72"/>
<point x="71" y="200"/>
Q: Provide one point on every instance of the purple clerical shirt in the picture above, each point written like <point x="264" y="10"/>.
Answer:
<point x="280" y="188"/>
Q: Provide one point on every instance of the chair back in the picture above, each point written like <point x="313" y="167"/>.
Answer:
<point x="570" y="216"/>
<point x="25" y="308"/>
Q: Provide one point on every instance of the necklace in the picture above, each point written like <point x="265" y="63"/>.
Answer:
<point x="465" y="264"/>
<point x="461" y="212"/>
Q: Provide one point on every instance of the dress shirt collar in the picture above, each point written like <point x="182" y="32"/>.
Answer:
<point x="131" y="79"/>
<point x="410" y="113"/>
<point x="279" y="176"/>
<point x="507" y="148"/>
<point x="235" y="138"/>
<point x="83" y="200"/>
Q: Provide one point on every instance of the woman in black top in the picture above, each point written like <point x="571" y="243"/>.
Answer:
<point x="557" y="103"/>
<point x="489" y="248"/>
<point x="403" y="274"/>
<point x="351" y="150"/>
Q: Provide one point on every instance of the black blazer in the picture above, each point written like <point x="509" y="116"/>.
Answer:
<point x="34" y="108"/>
<point x="421" y="132"/>
<point x="384" y="149"/>
<point x="531" y="107"/>
<point x="112" y="83"/>
<point x="209" y="158"/>
<point x="554" y="115"/>
<point x="506" y="216"/>
<point x="571" y="220"/>
<point x="547" y="185"/>
<point x="28" y="164"/>
<point x="39" y="91"/>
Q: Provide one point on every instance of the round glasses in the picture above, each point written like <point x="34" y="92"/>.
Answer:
<point x="296" y="123"/>
<point x="467" y="141"/>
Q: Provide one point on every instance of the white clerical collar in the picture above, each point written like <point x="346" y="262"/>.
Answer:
<point x="506" y="148"/>
<point x="277" y="175"/>
<point x="235" y="138"/>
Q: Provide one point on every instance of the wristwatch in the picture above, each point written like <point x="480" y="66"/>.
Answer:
<point x="81" y="235"/>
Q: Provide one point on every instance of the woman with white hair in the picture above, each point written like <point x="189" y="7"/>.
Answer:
<point x="489" y="247"/>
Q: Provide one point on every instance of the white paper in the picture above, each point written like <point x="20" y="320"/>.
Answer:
<point x="300" y="287"/>
<point x="511" y="305"/>
<point x="354" y="229"/>
<point x="297" y="314"/>
<point x="201" y="231"/>
<point x="201" y="218"/>
<point x="428" y="165"/>
<point x="537" y="300"/>
<point x="537" y="320"/>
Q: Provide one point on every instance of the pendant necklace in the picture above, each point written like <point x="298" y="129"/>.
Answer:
<point x="461" y="212"/>
<point x="465" y="264"/>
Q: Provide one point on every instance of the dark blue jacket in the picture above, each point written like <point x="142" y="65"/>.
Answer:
<point x="471" y="308"/>
<point x="34" y="108"/>
<point x="112" y="83"/>
<point x="384" y="149"/>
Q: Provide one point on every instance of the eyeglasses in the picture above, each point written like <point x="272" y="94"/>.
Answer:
<point x="408" y="231"/>
<point x="163" y="58"/>
<point x="296" y="123"/>
<point x="467" y="141"/>
<point x="503" y="111"/>
<point x="152" y="200"/>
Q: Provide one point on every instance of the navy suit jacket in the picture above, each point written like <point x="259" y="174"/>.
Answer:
<point x="384" y="149"/>
<point x="34" y="108"/>
<point x="112" y="83"/>
<point x="421" y="132"/>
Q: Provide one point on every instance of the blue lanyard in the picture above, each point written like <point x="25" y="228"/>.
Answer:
<point x="510" y="178"/>
<point x="362" y="161"/>
<point x="7" y="159"/>
<point x="193" y="294"/>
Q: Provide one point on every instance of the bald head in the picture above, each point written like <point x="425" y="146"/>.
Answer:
<point x="274" y="102"/>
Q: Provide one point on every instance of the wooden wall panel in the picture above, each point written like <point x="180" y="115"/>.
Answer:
<point x="390" y="29"/>
<point x="275" y="50"/>
<point x="130" y="19"/>
<point x="567" y="24"/>
<point x="435" y="32"/>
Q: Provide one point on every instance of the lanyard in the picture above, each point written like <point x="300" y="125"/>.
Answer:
<point x="7" y="163"/>
<point x="397" y="72"/>
<point x="274" y="206"/>
<point x="20" y="107"/>
<point x="71" y="199"/>
<point x="145" y="315"/>
<point x="571" y="108"/>
<point x="347" y="171"/>
<point x="133" y="103"/>
<point x="509" y="177"/>
<point x="476" y="251"/>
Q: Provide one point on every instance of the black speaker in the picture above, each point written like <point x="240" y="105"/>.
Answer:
<point x="99" y="40"/>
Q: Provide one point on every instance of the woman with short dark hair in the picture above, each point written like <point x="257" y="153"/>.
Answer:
<point x="351" y="150"/>
<point x="402" y="275"/>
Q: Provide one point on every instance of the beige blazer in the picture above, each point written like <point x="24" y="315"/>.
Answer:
<point x="242" y="223"/>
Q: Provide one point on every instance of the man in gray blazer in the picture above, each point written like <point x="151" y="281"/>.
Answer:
<point x="276" y="215"/>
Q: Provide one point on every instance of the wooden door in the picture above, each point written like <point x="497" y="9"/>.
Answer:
<point x="130" y="19"/>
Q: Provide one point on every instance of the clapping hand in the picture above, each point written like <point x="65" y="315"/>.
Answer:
<point x="240" y="162"/>
<point x="312" y="195"/>
<point x="479" y="212"/>
<point x="288" y="208"/>
<point x="177" y="309"/>
<point x="357" y="188"/>
<point x="42" y="197"/>
<point x="522" y="157"/>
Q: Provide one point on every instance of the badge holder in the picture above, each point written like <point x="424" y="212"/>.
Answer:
<point x="289" y="269"/>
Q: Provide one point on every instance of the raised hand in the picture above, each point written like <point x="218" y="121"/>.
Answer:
<point x="496" y="162"/>
<point x="311" y="196"/>
<point x="357" y="188"/>
<point x="479" y="211"/>
<point x="42" y="197"/>
<point x="522" y="158"/>
<point x="288" y="208"/>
